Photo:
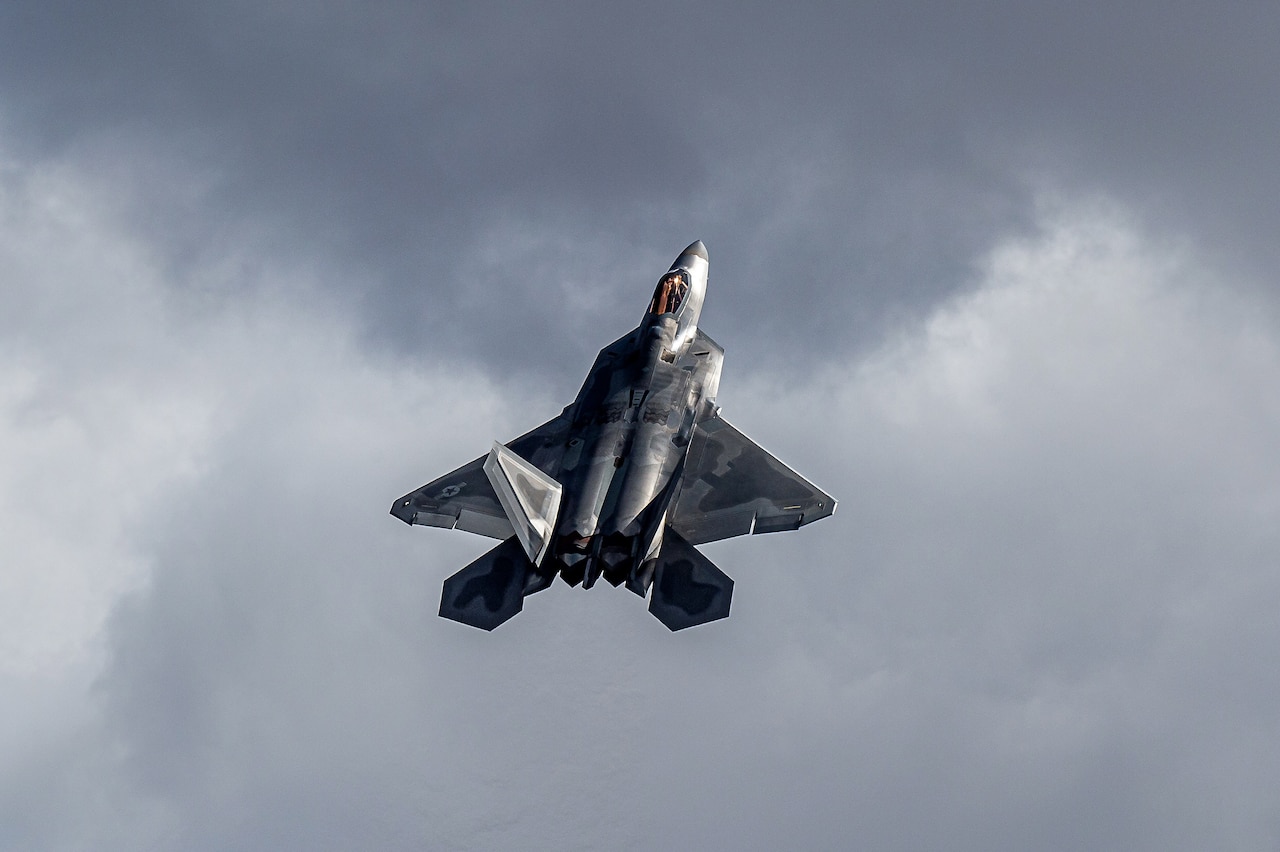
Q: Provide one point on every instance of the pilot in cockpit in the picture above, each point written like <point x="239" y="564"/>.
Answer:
<point x="672" y="288"/>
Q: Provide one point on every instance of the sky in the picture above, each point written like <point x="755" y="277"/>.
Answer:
<point x="999" y="276"/>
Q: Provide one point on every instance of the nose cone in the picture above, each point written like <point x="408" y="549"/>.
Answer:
<point x="695" y="249"/>
<point x="694" y="260"/>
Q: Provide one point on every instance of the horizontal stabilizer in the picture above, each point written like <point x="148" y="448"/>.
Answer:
<point x="688" y="588"/>
<point x="490" y="590"/>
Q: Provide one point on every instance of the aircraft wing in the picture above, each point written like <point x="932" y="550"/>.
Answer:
<point x="464" y="499"/>
<point x="733" y="486"/>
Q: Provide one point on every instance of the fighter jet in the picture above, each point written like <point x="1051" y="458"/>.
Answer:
<point x="623" y="482"/>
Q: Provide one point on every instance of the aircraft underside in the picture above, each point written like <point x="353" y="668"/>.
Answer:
<point x="684" y="587"/>
<point x="622" y="484"/>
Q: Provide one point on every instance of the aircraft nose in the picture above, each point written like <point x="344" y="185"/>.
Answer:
<point x="695" y="249"/>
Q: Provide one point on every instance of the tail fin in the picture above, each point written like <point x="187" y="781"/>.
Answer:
<point x="490" y="590"/>
<point x="688" y="589"/>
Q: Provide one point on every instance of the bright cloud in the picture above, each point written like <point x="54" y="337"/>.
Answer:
<point x="1042" y="615"/>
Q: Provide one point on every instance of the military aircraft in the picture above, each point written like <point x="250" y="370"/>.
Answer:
<point x="624" y="482"/>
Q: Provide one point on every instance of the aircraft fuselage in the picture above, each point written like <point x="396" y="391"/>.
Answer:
<point x="624" y="483"/>
<point x="631" y="426"/>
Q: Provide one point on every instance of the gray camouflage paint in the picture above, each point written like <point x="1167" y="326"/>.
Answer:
<point x="648" y="468"/>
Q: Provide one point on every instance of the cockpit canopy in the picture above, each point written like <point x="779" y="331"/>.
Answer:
<point x="670" y="295"/>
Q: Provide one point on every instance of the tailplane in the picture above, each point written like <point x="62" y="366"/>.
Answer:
<point x="688" y="589"/>
<point x="490" y="590"/>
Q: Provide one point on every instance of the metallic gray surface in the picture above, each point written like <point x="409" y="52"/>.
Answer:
<point x="688" y="589"/>
<point x="490" y="590"/>
<point x="648" y="469"/>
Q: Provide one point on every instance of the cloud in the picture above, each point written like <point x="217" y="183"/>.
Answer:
<point x="138" y="420"/>
<point x="1045" y="616"/>
<point x="1041" y="616"/>
<point x="852" y="158"/>
<point x="264" y="269"/>
<point x="93" y="433"/>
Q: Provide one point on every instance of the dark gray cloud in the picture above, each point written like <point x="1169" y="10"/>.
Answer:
<point x="1037" y="620"/>
<point x="267" y="268"/>
<point x="442" y="157"/>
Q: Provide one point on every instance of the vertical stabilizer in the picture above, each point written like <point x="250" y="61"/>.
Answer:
<point x="530" y="498"/>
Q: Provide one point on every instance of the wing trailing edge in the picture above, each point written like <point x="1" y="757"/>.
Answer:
<point x="733" y="486"/>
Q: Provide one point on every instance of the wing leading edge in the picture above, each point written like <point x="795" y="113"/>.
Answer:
<point x="733" y="486"/>
<point x="464" y="499"/>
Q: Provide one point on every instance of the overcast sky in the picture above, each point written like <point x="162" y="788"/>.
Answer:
<point x="1000" y="277"/>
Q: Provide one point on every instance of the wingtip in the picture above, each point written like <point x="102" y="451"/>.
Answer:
<point x="403" y="509"/>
